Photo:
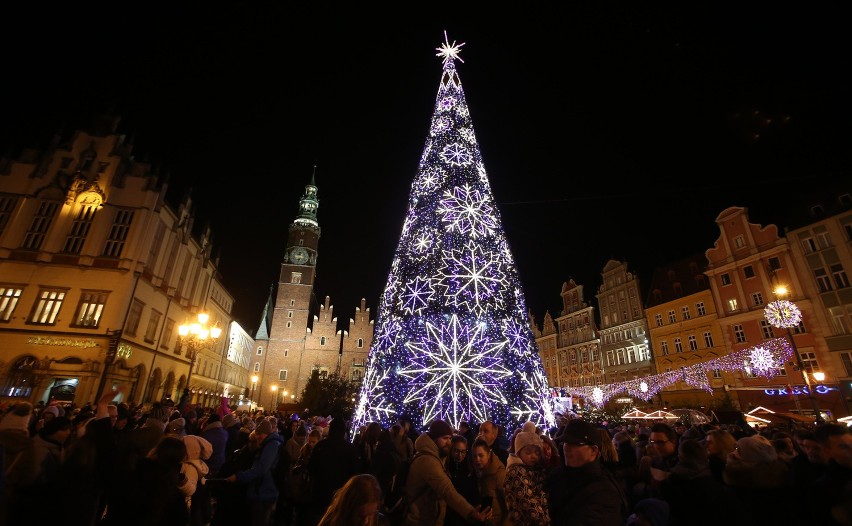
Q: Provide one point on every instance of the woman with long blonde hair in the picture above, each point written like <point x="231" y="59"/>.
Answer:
<point x="357" y="503"/>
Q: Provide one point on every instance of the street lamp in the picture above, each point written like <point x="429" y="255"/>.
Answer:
<point x="784" y="314"/>
<point x="195" y="334"/>
<point x="274" y="395"/>
<point x="253" y="385"/>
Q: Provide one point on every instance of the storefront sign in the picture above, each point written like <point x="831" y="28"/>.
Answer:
<point x="797" y="390"/>
<point x="61" y="342"/>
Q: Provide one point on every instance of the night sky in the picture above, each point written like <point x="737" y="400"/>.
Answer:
<point x="607" y="132"/>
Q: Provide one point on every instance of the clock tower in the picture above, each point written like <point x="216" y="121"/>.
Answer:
<point x="279" y="365"/>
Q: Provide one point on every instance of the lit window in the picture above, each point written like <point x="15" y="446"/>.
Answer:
<point x="732" y="305"/>
<point x="47" y="307"/>
<point x="8" y="301"/>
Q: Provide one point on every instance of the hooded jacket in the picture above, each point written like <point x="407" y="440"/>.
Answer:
<point x="258" y="479"/>
<point x="430" y="489"/>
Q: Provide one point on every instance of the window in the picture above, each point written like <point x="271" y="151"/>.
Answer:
<point x="748" y="271"/>
<point x="823" y="240"/>
<point x="620" y="356"/>
<point x="739" y="333"/>
<point x="684" y="312"/>
<point x="823" y="282"/>
<point x="7" y="205"/>
<point x="678" y="345"/>
<point x="357" y="375"/>
<point x="717" y="373"/>
<point x="809" y="245"/>
<point x="693" y="342"/>
<point x="847" y="227"/>
<point x="756" y="298"/>
<point x="259" y="351"/>
<point x="289" y="314"/>
<point x="322" y="340"/>
<point x="286" y="353"/>
<point x="47" y="307"/>
<point x="708" y="339"/>
<point x="672" y="317"/>
<point x="809" y="362"/>
<point x="153" y="323"/>
<point x="90" y="308"/>
<point x="766" y="329"/>
<point x="289" y="324"/>
<point x="292" y="302"/>
<point x="846" y="358"/>
<point x="118" y="232"/>
<point x="658" y="319"/>
<point x="841" y="281"/>
<point x="282" y="374"/>
<point x="572" y="356"/>
<point x="699" y="308"/>
<point x="134" y="316"/>
<point x="295" y="277"/>
<point x="726" y="279"/>
<point x="79" y="230"/>
<point x="256" y="366"/>
<point x="167" y="335"/>
<point x="799" y="329"/>
<point x="664" y="347"/>
<point x="732" y="305"/>
<point x="8" y="301"/>
<point x="739" y="241"/>
<point x="40" y="225"/>
<point x="774" y="263"/>
<point x="631" y="355"/>
<point x="610" y="358"/>
<point x="360" y="343"/>
<point x="838" y="318"/>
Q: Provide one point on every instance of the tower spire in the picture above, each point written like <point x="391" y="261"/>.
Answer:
<point x="309" y="204"/>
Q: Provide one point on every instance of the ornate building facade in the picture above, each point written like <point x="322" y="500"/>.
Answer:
<point x="296" y="336"/>
<point x="96" y="274"/>
<point x="624" y="329"/>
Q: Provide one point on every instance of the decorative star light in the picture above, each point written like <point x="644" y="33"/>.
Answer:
<point x="423" y="243"/>
<point x="440" y="125"/>
<point x="386" y="334"/>
<point x="429" y="180"/>
<point x="449" y="51"/>
<point x="455" y="372"/>
<point x="473" y="278"/>
<point x="417" y="295"/>
<point x="465" y="210"/>
<point x="783" y="314"/>
<point x="456" y="155"/>
<point x="762" y="361"/>
<point x="517" y="335"/>
<point x="468" y="135"/>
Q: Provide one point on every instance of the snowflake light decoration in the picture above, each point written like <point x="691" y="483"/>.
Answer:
<point x="447" y="103"/>
<point x="417" y="295"/>
<point x="455" y="372"/>
<point x="429" y="181"/>
<point x="762" y="361"/>
<point x="468" y="135"/>
<point x="465" y="210"/>
<point x="456" y="154"/>
<point x="440" y="125"/>
<point x="473" y="278"/>
<point x="783" y="314"/>
<point x="423" y="243"/>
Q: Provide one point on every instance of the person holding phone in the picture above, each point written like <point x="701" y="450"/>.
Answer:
<point x="491" y="476"/>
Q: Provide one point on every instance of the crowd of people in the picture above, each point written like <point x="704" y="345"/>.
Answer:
<point x="175" y="464"/>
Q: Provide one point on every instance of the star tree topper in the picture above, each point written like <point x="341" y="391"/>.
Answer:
<point x="449" y="51"/>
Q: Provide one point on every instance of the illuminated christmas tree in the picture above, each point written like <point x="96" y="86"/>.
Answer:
<point x="452" y="337"/>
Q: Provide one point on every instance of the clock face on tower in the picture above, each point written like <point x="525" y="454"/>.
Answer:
<point x="299" y="256"/>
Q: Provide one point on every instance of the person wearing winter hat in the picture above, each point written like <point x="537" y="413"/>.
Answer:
<point x="176" y="427"/>
<point x="526" y="500"/>
<point x="218" y="437"/>
<point x="429" y="488"/>
<point x="261" y="490"/>
<point x="15" y="431"/>
<point x="756" y="479"/>
<point x="582" y="490"/>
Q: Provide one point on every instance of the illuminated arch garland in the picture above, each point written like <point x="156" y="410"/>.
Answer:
<point x="775" y="351"/>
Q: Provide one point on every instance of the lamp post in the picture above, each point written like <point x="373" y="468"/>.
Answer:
<point x="253" y="385"/>
<point x="784" y="314"/>
<point x="195" y="334"/>
<point x="274" y="395"/>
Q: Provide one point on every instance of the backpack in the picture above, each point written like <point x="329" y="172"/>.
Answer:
<point x="397" y="502"/>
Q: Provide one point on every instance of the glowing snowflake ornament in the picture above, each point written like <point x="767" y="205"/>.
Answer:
<point x="783" y="314"/>
<point x="762" y="361"/>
